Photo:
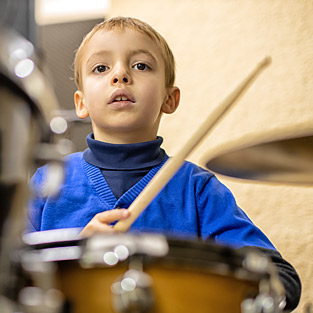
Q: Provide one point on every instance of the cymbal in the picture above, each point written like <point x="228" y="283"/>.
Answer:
<point x="288" y="160"/>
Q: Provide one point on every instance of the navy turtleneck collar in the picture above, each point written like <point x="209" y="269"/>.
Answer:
<point x="133" y="156"/>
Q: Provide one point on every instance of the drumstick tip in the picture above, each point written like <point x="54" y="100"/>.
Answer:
<point x="266" y="61"/>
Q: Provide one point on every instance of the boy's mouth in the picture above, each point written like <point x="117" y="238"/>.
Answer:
<point x="121" y="99"/>
<point x="121" y="96"/>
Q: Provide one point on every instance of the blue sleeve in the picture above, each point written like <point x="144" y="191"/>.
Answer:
<point x="224" y="221"/>
<point x="36" y="202"/>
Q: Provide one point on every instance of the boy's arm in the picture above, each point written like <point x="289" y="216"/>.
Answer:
<point x="288" y="277"/>
<point x="36" y="203"/>
<point x="227" y="223"/>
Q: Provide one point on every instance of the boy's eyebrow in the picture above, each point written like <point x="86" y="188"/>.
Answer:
<point x="99" y="53"/>
<point x="143" y="51"/>
<point x="132" y="53"/>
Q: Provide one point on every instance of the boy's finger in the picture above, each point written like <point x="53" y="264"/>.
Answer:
<point x="112" y="215"/>
<point x="95" y="227"/>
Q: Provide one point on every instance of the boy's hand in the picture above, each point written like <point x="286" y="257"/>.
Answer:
<point x="100" y="222"/>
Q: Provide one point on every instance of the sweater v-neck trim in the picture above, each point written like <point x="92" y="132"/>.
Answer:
<point x="104" y="191"/>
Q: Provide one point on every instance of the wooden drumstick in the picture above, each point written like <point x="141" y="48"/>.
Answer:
<point x="173" y="164"/>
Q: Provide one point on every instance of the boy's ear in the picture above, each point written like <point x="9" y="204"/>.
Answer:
<point x="81" y="109"/>
<point x="172" y="100"/>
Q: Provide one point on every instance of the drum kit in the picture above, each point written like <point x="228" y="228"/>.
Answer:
<point x="59" y="272"/>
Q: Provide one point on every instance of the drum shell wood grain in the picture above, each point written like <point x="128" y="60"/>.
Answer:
<point x="176" y="289"/>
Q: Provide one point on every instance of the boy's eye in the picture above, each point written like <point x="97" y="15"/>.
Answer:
<point x="141" y="66"/>
<point x="100" y="69"/>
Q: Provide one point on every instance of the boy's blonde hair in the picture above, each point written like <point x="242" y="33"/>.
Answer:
<point x="120" y="23"/>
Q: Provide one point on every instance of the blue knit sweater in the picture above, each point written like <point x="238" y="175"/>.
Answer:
<point x="194" y="203"/>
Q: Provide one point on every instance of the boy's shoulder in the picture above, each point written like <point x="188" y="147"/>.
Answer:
<point x="69" y="161"/>
<point x="196" y="168"/>
<point x="196" y="171"/>
<point x="73" y="157"/>
<point x="74" y="163"/>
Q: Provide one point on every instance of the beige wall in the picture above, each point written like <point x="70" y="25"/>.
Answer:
<point x="216" y="43"/>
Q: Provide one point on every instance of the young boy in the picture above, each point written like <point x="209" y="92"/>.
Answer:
<point x="125" y="76"/>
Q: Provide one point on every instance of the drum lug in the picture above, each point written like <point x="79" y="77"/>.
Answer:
<point x="36" y="300"/>
<point x="261" y="304"/>
<point x="133" y="293"/>
<point x="40" y="296"/>
<point x="271" y="298"/>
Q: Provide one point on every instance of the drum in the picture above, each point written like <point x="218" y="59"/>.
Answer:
<point x="150" y="273"/>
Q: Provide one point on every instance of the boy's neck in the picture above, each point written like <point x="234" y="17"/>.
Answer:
<point x="124" y="138"/>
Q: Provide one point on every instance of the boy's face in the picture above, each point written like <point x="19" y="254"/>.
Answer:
<point x="124" y="91"/>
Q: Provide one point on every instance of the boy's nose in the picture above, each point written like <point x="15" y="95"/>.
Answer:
<point x="121" y="76"/>
<point x="121" y="79"/>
